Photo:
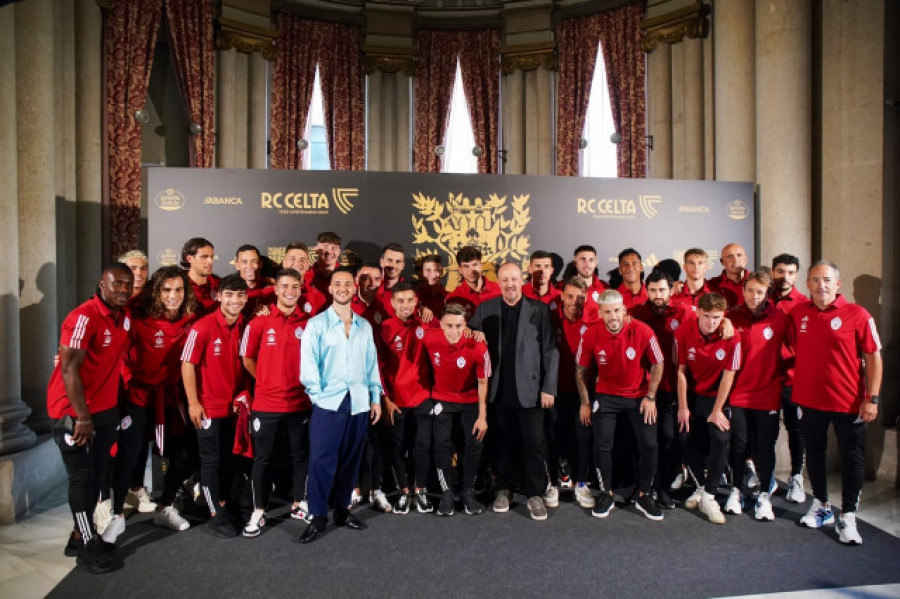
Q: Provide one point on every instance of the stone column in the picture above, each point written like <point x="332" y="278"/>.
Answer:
<point x="241" y="108"/>
<point x="659" y="104"/>
<point x="36" y="165"/>
<point x="14" y="435"/>
<point x="388" y="121"/>
<point x="693" y="167"/>
<point x="88" y="144"/>
<point x="784" y="127"/>
<point x="545" y="122"/>
<point x="513" y="133"/>
<point x="375" y="120"/>
<point x="402" y="145"/>
<point x="735" y="112"/>
<point x="678" y="157"/>
<point x="258" y="77"/>
<point x="226" y="109"/>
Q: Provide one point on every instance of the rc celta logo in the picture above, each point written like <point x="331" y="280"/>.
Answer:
<point x="649" y="205"/>
<point x="310" y="202"/>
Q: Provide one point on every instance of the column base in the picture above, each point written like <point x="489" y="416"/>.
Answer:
<point x="29" y="479"/>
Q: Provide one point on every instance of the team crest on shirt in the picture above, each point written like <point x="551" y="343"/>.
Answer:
<point x="126" y="423"/>
<point x="420" y="332"/>
<point x="378" y="318"/>
<point x="720" y="354"/>
<point x="107" y="338"/>
<point x="460" y="362"/>
<point x="673" y="324"/>
<point x="692" y="354"/>
<point x="596" y="296"/>
<point x="159" y="339"/>
<point x="398" y="343"/>
<point x="270" y="337"/>
<point x="307" y="307"/>
<point x="836" y="323"/>
<point x="217" y="347"/>
<point x="126" y="324"/>
<point x="768" y="333"/>
<point x="256" y="425"/>
<point x="630" y="353"/>
<point x="437" y="358"/>
<point x="601" y="356"/>
<point x="298" y="332"/>
<point x="553" y="305"/>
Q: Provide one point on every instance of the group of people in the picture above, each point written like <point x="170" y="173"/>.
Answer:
<point x="524" y="380"/>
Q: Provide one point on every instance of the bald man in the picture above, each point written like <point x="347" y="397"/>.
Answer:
<point x="525" y="362"/>
<point x="730" y="284"/>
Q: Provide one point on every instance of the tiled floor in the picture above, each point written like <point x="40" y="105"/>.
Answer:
<point x="32" y="561"/>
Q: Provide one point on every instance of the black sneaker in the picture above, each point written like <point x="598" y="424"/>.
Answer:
<point x="99" y="557"/>
<point x="221" y="525"/>
<point x="472" y="507"/>
<point x="73" y="546"/>
<point x="445" y="508"/>
<point x="664" y="500"/>
<point x="605" y="504"/>
<point x="402" y="504"/>
<point x="565" y="475"/>
<point x="647" y="506"/>
<point x="423" y="505"/>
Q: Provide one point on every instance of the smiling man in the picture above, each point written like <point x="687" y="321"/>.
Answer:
<point x="197" y="257"/>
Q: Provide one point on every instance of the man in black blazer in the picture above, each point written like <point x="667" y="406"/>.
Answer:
<point x="522" y="344"/>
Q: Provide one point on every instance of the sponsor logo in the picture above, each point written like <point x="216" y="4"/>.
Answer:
<point x="692" y="353"/>
<point x="737" y="210"/>
<point x="649" y="205"/>
<point x="768" y="333"/>
<point x="693" y="209"/>
<point x="804" y="323"/>
<point x="222" y="201"/>
<point x="398" y="343"/>
<point x="630" y="353"/>
<point x="601" y="357"/>
<point x="720" y="354"/>
<point x="619" y="208"/>
<point x="836" y="323"/>
<point x="159" y="339"/>
<point x="217" y="347"/>
<point x="107" y="338"/>
<point x="460" y="362"/>
<point x="310" y="202"/>
<point x="169" y="200"/>
<point x="270" y="337"/>
<point x="167" y="257"/>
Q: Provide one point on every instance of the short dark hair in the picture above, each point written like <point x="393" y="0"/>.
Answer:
<point x="296" y="245"/>
<point x="117" y="266"/>
<point x="191" y="247"/>
<point x="575" y="281"/>
<point x="759" y="276"/>
<point x="541" y="255"/>
<point x="467" y="253"/>
<point x="369" y="264"/>
<point x="289" y="272"/>
<point x="328" y="237"/>
<point x="710" y="302"/>
<point x="454" y="309"/>
<point x="787" y="259"/>
<point x="232" y="282"/>
<point x="628" y="251"/>
<point x="658" y="275"/>
<point x="584" y="248"/>
<point x="346" y="270"/>
<point x="670" y="267"/>
<point x="436" y="258"/>
<point x="401" y="286"/>
<point x="393" y="247"/>
<point x="247" y="248"/>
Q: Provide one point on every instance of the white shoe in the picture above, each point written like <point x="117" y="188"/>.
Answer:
<point x="751" y="480"/>
<point x="763" y="509"/>
<point x="693" y="501"/>
<point x="115" y="528"/>
<point x="735" y="502"/>
<point x="140" y="501"/>
<point x="380" y="500"/>
<point x="551" y="496"/>
<point x="168" y="517"/>
<point x="818" y="515"/>
<point x="710" y="507"/>
<point x="355" y="498"/>
<point x="103" y="515"/>
<point x="678" y="482"/>
<point x="795" y="492"/>
<point x="584" y="497"/>
<point x="846" y="527"/>
<point x="255" y="524"/>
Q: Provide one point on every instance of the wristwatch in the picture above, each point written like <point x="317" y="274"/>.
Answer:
<point x="875" y="399"/>
<point x="650" y="397"/>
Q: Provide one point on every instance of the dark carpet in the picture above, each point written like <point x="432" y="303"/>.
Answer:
<point x="489" y="555"/>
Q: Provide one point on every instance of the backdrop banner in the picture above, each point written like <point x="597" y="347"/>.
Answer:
<point x="506" y="216"/>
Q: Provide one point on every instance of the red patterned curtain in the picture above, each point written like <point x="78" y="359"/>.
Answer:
<point x="620" y="34"/>
<point x="130" y="33"/>
<point x="438" y="51"/>
<point x="479" y="61"/>
<point x="340" y="71"/>
<point x="193" y="39"/>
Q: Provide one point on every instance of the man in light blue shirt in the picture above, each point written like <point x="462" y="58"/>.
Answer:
<point x="339" y="368"/>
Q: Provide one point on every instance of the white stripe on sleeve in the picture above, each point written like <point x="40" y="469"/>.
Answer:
<point x="189" y="346"/>
<point x="78" y="332"/>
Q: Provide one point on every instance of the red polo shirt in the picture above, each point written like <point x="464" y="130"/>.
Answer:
<point x="731" y="291"/>
<point x="432" y="297"/>
<point x="664" y="326"/>
<point x="207" y="294"/>
<point x="706" y="358"/>
<point x="273" y="341"/>
<point x="212" y="346"/>
<point x="553" y="297"/>
<point x="384" y="296"/>
<point x="569" y="334"/>
<point x="786" y="304"/>
<point x="263" y="295"/>
<point x="104" y="337"/>
<point x="465" y="295"/>
<point x="591" y="308"/>
<point x="374" y="312"/>
<point x="828" y="373"/>
<point x="758" y="384"/>
<point x="630" y="299"/>
<point x="319" y="280"/>
<point x="456" y="367"/>
<point x="623" y="359"/>
<point x="155" y="355"/>
<point x="311" y="301"/>
<point x="404" y="365"/>
<point x="689" y="299"/>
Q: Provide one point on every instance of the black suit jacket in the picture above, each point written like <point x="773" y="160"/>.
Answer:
<point x="537" y="358"/>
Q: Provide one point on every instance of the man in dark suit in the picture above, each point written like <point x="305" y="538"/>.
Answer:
<point x="522" y="344"/>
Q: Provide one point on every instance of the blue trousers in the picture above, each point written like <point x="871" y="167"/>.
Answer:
<point x="336" y="442"/>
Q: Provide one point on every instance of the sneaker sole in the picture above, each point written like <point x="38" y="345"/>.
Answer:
<point x="471" y="513"/>
<point x="539" y="518"/>
<point x="400" y="512"/>
<point x="601" y="514"/>
<point x="424" y="511"/>
<point x="764" y="518"/>
<point x="554" y="504"/>
<point x="586" y="505"/>
<point x="501" y="510"/>
<point x="817" y="526"/>
<point x="445" y="514"/>
<point x="647" y="514"/>
<point x="250" y="535"/>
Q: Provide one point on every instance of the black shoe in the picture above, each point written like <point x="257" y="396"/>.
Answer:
<point x="664" y="500"/>
<point x="423" y="505"/>
<point x="99" y="557"/>
<point x="445" y="507"/>
<point x="401" y="506"/>
<point x="221" y="525"/>
<point x="345" y="518"/>
<point x="312" y="530"/>
<point x="471" y="505"/>
<point x="647" y="506"/>
<point x="73" y="546"/>
<point x="605" y="504"/>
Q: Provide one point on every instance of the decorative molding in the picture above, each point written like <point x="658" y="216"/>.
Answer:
<point x="390" y="60"/>
<point x="245" y="38"/>
<point x="691" y="22"/>
<point x="528" y="57"/>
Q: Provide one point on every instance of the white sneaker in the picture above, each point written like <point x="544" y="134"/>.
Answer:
<point x="846" y="527"/>
<point x="254" y="524"/>
<point x="710" y="507"/>
<point x="103" y="515"/>
<point x="735" y="502"/>
<point x="168" y="517"/>
<point x="115" y="528"/>
<point x="751" y="480"/>
<point x="678" y="482"/>
<point x="693" y="501"/>
<point x="551" y="496"/>
<point x="380" y="500"/>
<point x="818" y="515"/>
<point x="795" y="492"/>
<point x="140" y="501"/>
<point x="763" y="509"/>
<point x="355" y="498"/>
<point x="584" y="497"/>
